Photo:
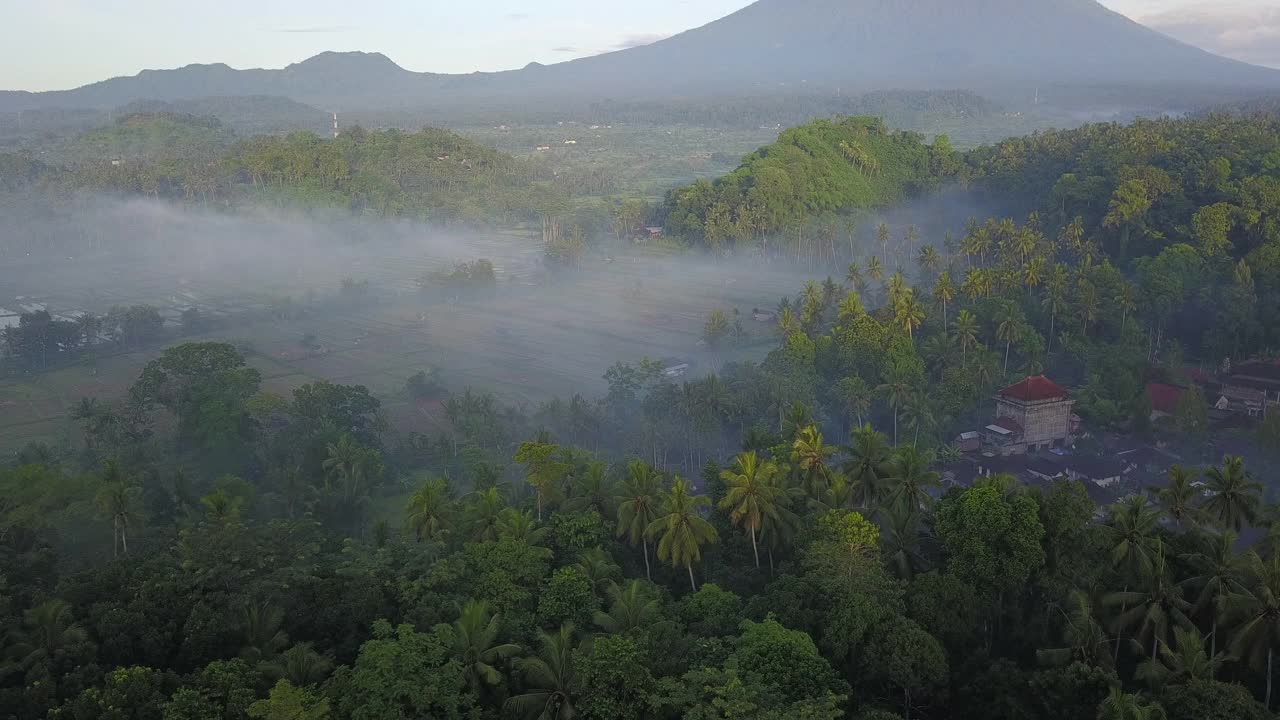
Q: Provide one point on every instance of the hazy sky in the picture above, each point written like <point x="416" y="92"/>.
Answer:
<point x="55" y="44"/>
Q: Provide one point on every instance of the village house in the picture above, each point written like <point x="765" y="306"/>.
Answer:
<point x="1032" y="415"/>
<point x="1164" y="399"/>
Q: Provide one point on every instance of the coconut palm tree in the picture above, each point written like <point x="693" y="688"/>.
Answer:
<point x="1083" y="637"/>
<point x="430" y="511"/>
<point x="896" y="390"/>
<point x="483" y="510"/>
<point x="929" y="260"/>
<point x="908" y="313"/>
<point x="1119" y="705"/>
<point x="1234" y="496"/>
<point x="597" y="566"/>
<point x="855" y="397"/>
<point x="944" y="291"/>
<point x="1055" y="298"/>
<point x="1219" y="579"/>
<point x="551" y="677"/>
<point x="262" y="627"/>
<point x="300" y="665"/>
<point x="631" y="607"/>
<point x="475" y="645"/>
<point x="1179" y="497"/>
<point x="637" y="504"/>
<point x="753" y="493"/>
<point x="909" y="478"/>
<point x="1256" y="636"/>
<point x="680" y="530"/>
<point x="48" y="630"/>
<point x="1153" y="611"/>
<point x="1183" y="661"/>
<point x="810" y="455"/>
<point x="875" y="269"/>
<point x="865" y="467"/>
<point x="1009" y="324"/>
<point x="344" y="460"/>
<point x="903" y="539"/>
<point x="966" y="333"/>
<point x="521" y="526"/>
<point x="592" y="491"/>
<point x="119" y="499"/>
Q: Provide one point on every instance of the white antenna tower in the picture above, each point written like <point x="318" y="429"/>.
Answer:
<point x="335" y="126"/>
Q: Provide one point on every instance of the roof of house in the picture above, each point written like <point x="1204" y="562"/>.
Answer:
<point x="1260" y="370"/>
<point x="1035" y="389"/>
<point x="1097" y="468"/>
<point x="1164" y="398"/>
<point x="1045" y="467"/>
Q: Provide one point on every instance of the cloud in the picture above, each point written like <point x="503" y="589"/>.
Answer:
<point x="316" y="29"/>
<point x="1251" y="34"/>
<point x="565" y="49"/>
<point x="638" y="39"/>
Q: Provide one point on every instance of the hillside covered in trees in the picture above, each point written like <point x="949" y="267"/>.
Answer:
<point x="431" y="175"/>
<point x="820" y="168"/>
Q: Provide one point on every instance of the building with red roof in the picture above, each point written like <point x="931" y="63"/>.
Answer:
<point x="1034" y="414"/>
<point x="1164" y="399"/>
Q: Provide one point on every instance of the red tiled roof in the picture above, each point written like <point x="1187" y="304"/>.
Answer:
<point x="1164" y="398"/>
<point x="1035" y="389"/>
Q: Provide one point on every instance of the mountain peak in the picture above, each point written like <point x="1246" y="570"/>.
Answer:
<point x="346" y="62"/>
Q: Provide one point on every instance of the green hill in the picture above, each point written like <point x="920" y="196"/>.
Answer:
<point x="822" y="167"/>
<point x="153" y="136"/>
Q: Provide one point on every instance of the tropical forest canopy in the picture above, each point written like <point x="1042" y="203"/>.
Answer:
<point x="772" y="539"/>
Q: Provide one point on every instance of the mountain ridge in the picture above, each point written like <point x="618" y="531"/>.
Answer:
<point x="822" y="45"/>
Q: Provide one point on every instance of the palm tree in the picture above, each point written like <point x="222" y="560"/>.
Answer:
<point x="680" y="530"/>
<point x="521" y="526"/>
<point x="944" y="291"/>
<point x="1119" y="705"/>
<point x="909" y="315"/>
<point x="752" y="494"/>
<point x="344" y="460"/>
<point x="810" y="455"/>
<point x="592" y="491"/>
<point x="895" y="290"/>
<point x="430" y="511"/>
<point x="855" y="396"/>
<point x="551" y="676"/>
<point x="1132" y="534"/>
<point x="919" y="415"/>
<point x="882" y="237"/>
<point x="300" y="665"/>
<point x="902" y="539"/>
<point x="597" y="566"/>
<point x="896" y="390"/>
<point x="632" y="607"/>
<point x="929" y="260"/>
<point x="1154" y="611"/>
<point x="966" y="331"/>
<point x="1234" y="496"/>
<point x="120" y="501"/>
<point x="1219" y="578"/>
<point x="865" y="467"/>
<point x="1186" y="660"/>
<point x="475" y="645"/>
<point x="483" y="512"/>
<point x="1084" y="638"/>
<point x="638" y="507"/>
<point x="1009" y="325"/>
<point x="1179" y="496"/>
<point x="910" y="478"/>
<point x="1055" y="298"/>
<point x="545" y="470"/>
<point x="47" y="630"/>
<point x="1257" y="635"/>
<point x="875" y="269"/>
<point x="264" y="637"/>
